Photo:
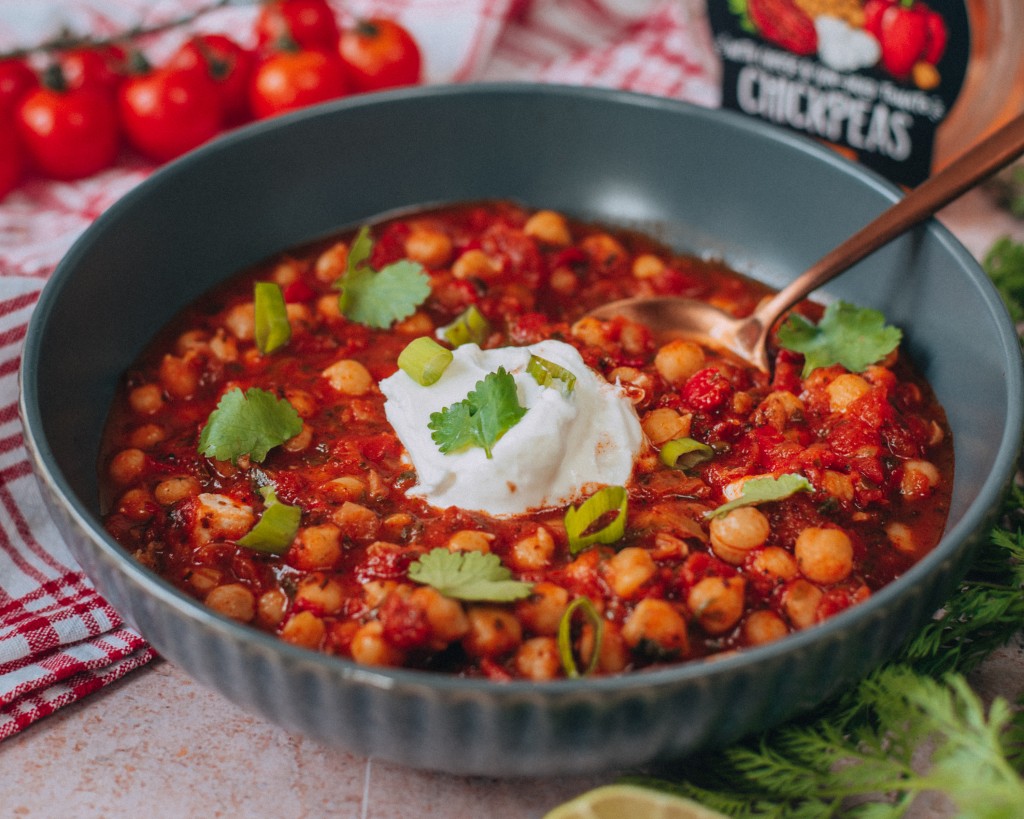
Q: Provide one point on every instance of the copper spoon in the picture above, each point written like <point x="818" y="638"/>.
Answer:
<point x="678" y="317"/>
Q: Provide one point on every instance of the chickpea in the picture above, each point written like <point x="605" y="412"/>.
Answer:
<point x="667" y="546"/>
<point x="637" y="384"/>
<point x="327" y="307"/>
<point x="178" y="377"/>
<point x="137" y="504"/>
<point x="613" y="653"/>
<point x="533" y="551"/>
<point x="316" y="547"/>
<point x="647" y="266"/>
<point x="349" y="377"/>
<point x="302" y="401"/>
<point x="233" y="600"/>
<point x="220" y="517"/>
<point x="902" y="538"/>
<point x="240" y="321"/>
<point x="538" y="659"/>
<point x="331" y="263"/>
<point x="563" y="280"/>
<point x="287" y="271"/>
<point x="800" y="600"/>
<point x="470" y="540"/>
<point x="838" y="485"/>
<point x="762" y="627"/>
<point x="300" y="317"/>
<point x="628" y="570"/>
<point x="224" y="347"/>
<point x="778" y="409"/>
<point x="418" y="324"/>
<point x="824" y="555"/>
<point x="593" y="332"/>
<point x="775" y="563"/>
<point x="369" y="647"/>
<point x="171" y="490"/>
<point x="634" y="338"/>
<point x="493" y="631"/>
<point x="475" y="264"/>
<point x="548" y="227"/>
<point x="356" y="520"/>
<point x="191" y="340"/>
<point x="397" y="526"/>
<point x="146" y="399"/>
<point x="429" y="247"/>
<point x="919" y="479"/>
<point x="300" y="442"/>
<point x="304" y="629"/>
<point x="320" y="594"/>
<point x="542" y="611"/>
<point x="717" y="602"/>
<point x="603" y="248"/>
<point x="447" y="618"/>
<point x="677" y="360"/>
<point x="271" y="607"/>
<point x="665" y="424"/>
<point x="147" y="435"/>
<point x="127" y="466"/>
<point x="204" y="578"/>
<point x="736" y="533"/>
<point x="844" y="389"/>
<point x="657" y="622"/>
<point x="345" y="488"/>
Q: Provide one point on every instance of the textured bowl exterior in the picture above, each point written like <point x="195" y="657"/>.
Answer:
<point x="706" y="181"/>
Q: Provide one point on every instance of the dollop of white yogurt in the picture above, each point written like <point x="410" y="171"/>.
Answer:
<point x="558" y="453"/>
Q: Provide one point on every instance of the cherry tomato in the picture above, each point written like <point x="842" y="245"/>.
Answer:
<point x="309" y="24"/>
<point x="102" y="68"/>
<point x="68" y="133"/>
<point x="12" y="158"/>
<point x="380" y="54"/>
<point x="167" y="112"/>
<point x="16" y="80"/>
<point x="290" y="80"/>
<point x="227" y="63"/>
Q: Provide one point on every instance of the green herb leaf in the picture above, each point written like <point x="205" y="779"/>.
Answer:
<point x="481" y="418"/>
<point x="1004" y="264"/>
<point x="855" y="337"/>
<point x="579" y="519"/>
<point x="276" y="528"/>
<point x="380" y="298"/>
<point x="764" y="490"/>
<point x="273" y="329"/>
<point x="468" y="576"/>
<point x="250" y="424"/>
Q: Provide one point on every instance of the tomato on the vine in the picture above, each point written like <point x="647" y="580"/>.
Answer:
<point x="166" y="112"/>
<point x="68" y="133"/>
<point x="289" y="80"/>
<point x="224" y="61"/>
<point x="16" y="80"/>
<point x="101" y="68"/>
<point x="380" y="54"/>
<point x="310" y="24"/>
<point x="12" y="158"/>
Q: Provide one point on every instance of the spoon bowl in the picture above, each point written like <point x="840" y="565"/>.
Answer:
<point x="670" y="317"/>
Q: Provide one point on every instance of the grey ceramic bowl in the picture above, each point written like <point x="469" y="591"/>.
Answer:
<point x="706" y="181"/>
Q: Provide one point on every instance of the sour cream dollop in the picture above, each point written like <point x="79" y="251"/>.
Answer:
<point x="558" y="453"/>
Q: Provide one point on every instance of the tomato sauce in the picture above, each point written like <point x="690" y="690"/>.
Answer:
<point x="874" y="448"/>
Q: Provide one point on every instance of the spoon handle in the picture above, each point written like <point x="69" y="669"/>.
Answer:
<point x="970" y="168"/>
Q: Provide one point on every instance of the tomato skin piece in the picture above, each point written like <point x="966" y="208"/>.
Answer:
<point x="168" y="112"/>
<point x="379" y="54"/>
<point x="16" y="80"/>
<point x="309" y="24"/>
<point x="229" y="65"/>
<point x="290" y="80"/>
<point x="100" y="68"/>
<point x="69" y="134"/>
<point x="12" y="158"/>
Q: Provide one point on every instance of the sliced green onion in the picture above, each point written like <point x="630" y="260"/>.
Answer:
<point x="471" y="327"/>
<point x="276" y="529"/>
<point x="549" y="374"/>
<point x="565" y="651"/>
<point x="685" y="453"/>
<point x="578" y="519"/>
<point x="272" y="327"/>
<point x="424" y="360"/>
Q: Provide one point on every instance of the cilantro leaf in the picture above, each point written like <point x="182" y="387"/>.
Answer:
<point x="468" y="576"/>
<point x="379" y="298"/>
<point x="765" y="489"/>
<point x="855" y="337"/>
<point x="481" y="418"/>
<point x="250" y="424"/>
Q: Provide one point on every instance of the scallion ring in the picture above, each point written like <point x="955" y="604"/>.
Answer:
<point x="471" y="327"/>
<point x="276" y="528"/>
<point x="424" y="360"/>
<point x="685" y="453"/>
<point x="578" y="519"/>
<point x="549" y="374"/>
<point x="272" y="328"/>
<point x="565" y="651"/>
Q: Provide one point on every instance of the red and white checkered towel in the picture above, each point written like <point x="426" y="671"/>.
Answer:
<point x="58" y="639"/>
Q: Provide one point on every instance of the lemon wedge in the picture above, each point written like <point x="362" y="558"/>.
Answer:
<point x="631" y="802"/>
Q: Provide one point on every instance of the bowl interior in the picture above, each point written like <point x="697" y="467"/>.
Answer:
<point x="705" y="181"/>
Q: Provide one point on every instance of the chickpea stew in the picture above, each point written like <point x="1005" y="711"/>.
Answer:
<point x="252" y="457"/>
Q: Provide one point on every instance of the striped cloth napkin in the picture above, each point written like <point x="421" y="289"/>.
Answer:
<point x="59" y="640"/>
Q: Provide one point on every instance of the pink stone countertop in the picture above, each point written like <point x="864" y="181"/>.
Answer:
<point x="158" y="744"/>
